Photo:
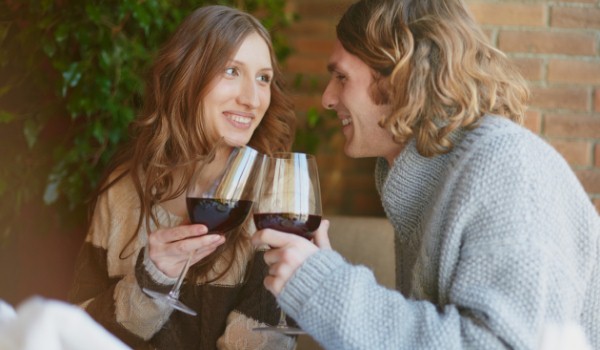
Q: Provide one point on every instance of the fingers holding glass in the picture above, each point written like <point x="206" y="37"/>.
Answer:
<point x="290" y="202"/>
<point x="219" y="196"/>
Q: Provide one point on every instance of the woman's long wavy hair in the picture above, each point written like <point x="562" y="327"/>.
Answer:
<point x="434" y="66"/>
<point x="169" y="136"/>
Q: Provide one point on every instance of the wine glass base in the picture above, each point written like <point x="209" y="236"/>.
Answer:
<point x="167" y="299"/>
<point x="283" y="330"/>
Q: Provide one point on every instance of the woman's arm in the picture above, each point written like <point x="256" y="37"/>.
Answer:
<point x="105" y="276"/>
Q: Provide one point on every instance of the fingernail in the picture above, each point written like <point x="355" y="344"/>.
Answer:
<point x="217" y="238"/>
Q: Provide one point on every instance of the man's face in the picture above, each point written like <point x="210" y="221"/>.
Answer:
<point x="348" y="94"/>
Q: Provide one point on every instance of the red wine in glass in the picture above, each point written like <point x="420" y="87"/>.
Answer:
<point x="290" y="201"/>
<point x="220" y="195"/>
<point x="302" y="225"/>
<point x="218" y="215"/>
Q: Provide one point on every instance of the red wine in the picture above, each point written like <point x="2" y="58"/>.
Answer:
<point x="299" y="224"/>
<point x="218" y="215"/>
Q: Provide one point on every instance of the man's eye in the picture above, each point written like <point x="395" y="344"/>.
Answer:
<point x="340" y="77"/>
<point x="232" y="71"/>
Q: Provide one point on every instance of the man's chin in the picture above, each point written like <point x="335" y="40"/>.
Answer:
<point x="352" y="153"/>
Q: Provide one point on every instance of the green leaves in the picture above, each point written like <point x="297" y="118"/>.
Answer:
<point x="6" y="117"/>
<point x="80" y="70"/>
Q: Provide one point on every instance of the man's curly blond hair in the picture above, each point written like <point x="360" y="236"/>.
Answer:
<point x="434" y="66"/>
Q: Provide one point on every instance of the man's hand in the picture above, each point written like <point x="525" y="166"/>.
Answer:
<point x="288" y="252"/>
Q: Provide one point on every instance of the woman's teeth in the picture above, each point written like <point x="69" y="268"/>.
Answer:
<point x="346" y="121"/>
<point x="239" y="119"/>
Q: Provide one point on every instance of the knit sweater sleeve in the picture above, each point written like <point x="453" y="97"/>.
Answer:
<point x="342" y="307"/>
<point x="517" y="247"/>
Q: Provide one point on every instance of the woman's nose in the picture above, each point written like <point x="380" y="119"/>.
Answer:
<point x="248" y="95"/>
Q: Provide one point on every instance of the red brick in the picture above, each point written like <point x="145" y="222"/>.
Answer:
<point x="312" y="27"/>
<point x="597" y="155"/>
<point x="575" y="17"/>
<point x="305" y="101"/>
<point x="571" y="126"/>
<point x="530" y="68"/>
<point x="597" y="100"/>
<point x="533" y="121"/>
<point x="306" y="83"/>
<point x="302" y="64"/>
<point x="575" y="99"/>
<point x="574" y="71"/>
<point x="579" y="1"/>
<point x="508" y="14"/>
<point x="547" y="42"/>
<point x="576" y="153"/>
<point x="590" y="179"/>
<point x="596" y="202"/>
<point x="331" y="9"/>
<point x="312" y="46"/>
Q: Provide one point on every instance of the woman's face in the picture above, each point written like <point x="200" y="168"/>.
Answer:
<point x="241" y="94"/>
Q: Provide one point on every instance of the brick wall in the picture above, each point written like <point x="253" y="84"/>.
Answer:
<point x="556" y="44"/>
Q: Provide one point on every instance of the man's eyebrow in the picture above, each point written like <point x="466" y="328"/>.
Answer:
<point x="331" y="67"/>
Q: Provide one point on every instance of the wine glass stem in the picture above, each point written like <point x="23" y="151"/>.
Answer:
<point x="174" y="293"/>
<point x="282" y="322"/>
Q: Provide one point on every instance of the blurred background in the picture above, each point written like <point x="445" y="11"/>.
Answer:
<point x="71" y="77"/>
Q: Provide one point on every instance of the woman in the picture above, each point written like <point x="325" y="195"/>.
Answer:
<point x="215" y="79"/>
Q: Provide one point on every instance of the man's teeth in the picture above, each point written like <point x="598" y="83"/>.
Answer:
<point x="346" y="121"/>
<point x="240" y="119"/>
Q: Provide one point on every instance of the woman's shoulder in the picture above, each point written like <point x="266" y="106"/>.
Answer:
<point x="118" y="191"/>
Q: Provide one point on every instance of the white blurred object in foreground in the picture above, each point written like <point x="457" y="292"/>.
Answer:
<point x="568" y="336"/>
<point x="52" y="325"/>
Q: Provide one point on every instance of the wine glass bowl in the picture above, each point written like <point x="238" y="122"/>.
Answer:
<point x="302" y="225"/>
<point x="218" y="215"/>
<point x="220" y="195"/>
<point x="290" y="201"/>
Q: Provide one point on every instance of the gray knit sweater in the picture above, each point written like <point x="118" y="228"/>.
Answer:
<point x="494" y="241"/>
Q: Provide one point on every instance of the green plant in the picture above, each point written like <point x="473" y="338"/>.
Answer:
<point x="71" y="77"/>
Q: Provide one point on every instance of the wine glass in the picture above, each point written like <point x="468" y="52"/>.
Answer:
<point x="290" y="201"/>
<point x="220" y="195"/>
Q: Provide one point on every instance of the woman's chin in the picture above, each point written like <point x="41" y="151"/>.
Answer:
<point x="236" y="140"/>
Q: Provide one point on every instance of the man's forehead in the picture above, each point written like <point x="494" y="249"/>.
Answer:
<point x="342" y="60"/>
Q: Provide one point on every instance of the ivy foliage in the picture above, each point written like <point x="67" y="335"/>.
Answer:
<point x="71" y="80"/>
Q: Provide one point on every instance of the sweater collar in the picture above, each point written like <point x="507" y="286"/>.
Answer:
<point x="408" y="188"/>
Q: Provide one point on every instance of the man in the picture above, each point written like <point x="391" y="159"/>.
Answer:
<point x="496" y="241"/>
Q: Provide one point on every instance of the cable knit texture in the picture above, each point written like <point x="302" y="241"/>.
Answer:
<point x="110" y="274"/>
<point x="495" y="241"/>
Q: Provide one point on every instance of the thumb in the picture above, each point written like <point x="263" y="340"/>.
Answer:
<point x="321" y="237"/>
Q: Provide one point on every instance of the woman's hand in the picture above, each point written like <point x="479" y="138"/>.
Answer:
<point x="169" y="248"/>
<point x="287" y="253"/>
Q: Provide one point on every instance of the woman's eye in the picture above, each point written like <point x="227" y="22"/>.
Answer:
<point x="265" y="78"/>
<point x="232" y="71"/>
